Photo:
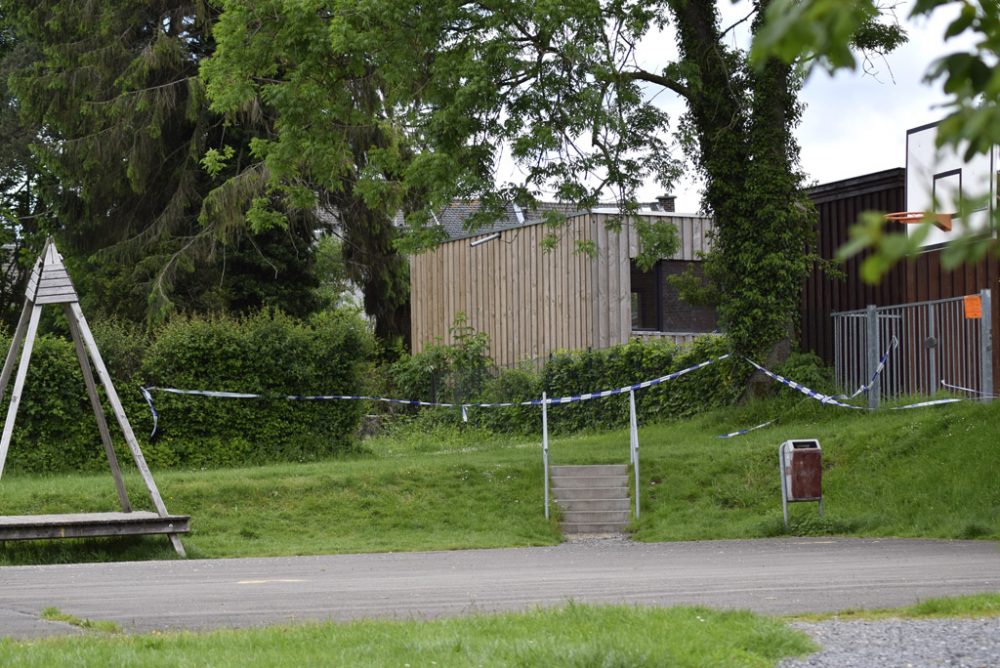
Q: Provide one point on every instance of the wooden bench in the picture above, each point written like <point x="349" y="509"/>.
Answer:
<point x="87" y="525"/>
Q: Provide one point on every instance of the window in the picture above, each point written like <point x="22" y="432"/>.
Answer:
<point x="656" y="306"/>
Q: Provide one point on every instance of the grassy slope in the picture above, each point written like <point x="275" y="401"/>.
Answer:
<point x="574" y="635"/>
<point x="928" y="472"/>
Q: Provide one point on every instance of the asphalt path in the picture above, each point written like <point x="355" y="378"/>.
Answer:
<point x="779" y="576"/>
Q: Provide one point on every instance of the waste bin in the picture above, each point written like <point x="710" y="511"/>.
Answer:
<point x="801" y="463"/>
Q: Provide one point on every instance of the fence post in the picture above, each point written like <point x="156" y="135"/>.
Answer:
<point x="545" y="449"/>
<point x="932" y="344"/>
<point x="874" y="390"/>
<point x="986" y="344"/>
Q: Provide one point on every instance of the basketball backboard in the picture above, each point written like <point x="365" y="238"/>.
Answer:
<point x="940" y="181"/>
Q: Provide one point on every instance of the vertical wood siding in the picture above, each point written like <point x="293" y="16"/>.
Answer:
<point x="530" y="302"/>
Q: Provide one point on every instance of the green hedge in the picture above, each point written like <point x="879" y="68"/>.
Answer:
<point x="268" y="353"/>
<point x="573" y="373"/>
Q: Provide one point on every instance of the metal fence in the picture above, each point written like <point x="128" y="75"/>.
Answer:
<point x="946" y="340"/>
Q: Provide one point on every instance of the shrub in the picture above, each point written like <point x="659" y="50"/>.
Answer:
<point x="567" y="374"/>
<point x="270" y="354"/>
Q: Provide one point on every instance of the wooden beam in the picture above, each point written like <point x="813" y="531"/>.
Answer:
<point x="88" y="525"/>
<point x="15" y="347"/>
<point x="76" y="314"/>
<point x="95" y="403"/>
<point x="22" y="372"/>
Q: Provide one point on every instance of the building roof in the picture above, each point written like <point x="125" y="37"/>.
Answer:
<point x="858" y="185"/>
<point x="453" y="218"/>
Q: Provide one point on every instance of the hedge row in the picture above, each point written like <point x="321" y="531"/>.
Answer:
<point x="269" y="353"/>
<point x="572" y="373"/>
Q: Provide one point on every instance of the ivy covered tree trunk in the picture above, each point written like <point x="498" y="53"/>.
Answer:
<point x="743" y="121"/>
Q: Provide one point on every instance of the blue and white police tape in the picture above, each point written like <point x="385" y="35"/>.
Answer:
<point x="979" y="393"/>
<point x="747" y="430"/>
<point x="924" y="404"/>
<point x="219" y="394"/>
<point x="624" y="390"/>
<point x="878" y="370"/>
<point x="595" y="395"/>
<point x="147" y="394"/>
<point x="818" y="396"/>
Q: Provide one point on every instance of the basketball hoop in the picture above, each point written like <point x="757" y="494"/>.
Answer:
<point x="941" y="220"/>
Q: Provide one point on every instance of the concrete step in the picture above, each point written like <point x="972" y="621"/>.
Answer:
<point x="589" y="481"/>
<point x="594" y="504"/>
<point x="571" y="493"/>
<point x="595" y="469"/>
<point x="596" y="527"/>
<point x="595" y="517"/>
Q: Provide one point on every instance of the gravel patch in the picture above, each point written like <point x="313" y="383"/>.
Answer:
<point x="902" y="643"/>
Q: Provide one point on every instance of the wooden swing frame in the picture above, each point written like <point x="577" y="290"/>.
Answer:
<point x="50" y="283"/>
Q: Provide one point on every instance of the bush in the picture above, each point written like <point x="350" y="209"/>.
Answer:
<point x="454" y="373"/>
<point x="270" y="354"/>
<point x="567" y="374"/>
<point x="574" y="373"/>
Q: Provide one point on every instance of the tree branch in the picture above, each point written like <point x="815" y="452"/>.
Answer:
<point x="659" y="79"/>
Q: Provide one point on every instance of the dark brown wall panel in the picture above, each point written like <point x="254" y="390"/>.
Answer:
<point x="921" y="278"/>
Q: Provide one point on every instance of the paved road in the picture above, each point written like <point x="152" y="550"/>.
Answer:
<point x="771" y="576"/>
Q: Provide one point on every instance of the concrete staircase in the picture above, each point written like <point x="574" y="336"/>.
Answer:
<point x="593" y="499"/>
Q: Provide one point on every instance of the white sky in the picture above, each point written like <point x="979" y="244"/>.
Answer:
<point x="853" y="123"/>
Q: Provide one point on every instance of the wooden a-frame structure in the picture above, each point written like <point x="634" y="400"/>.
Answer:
<point x="49" y="283"/>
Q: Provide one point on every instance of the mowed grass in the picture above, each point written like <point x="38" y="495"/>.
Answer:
<point x="972" y="606"/>
<point x="932" y="472"/>
<point x="573" y="635"/>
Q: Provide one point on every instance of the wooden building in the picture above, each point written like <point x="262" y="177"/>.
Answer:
<point x="532" y="302"/>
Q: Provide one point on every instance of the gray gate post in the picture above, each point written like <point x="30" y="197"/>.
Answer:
<point x="986" y="344"/>
<point x="874" y="390"/>
<point x="932" y="343"/>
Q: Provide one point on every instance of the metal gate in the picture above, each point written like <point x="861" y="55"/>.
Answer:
<point x="946" y="342"/>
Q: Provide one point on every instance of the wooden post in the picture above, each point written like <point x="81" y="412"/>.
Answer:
<point x="22" y="372"/>
<point x="76" y="314"/>
<point x="15" y="347"/>
<point x="95" y="403"/>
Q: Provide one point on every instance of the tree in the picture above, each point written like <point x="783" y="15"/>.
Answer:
<point x="445" y="87"/>
<point x="23" y="220"/>
<point x="119" y="125"/>
<point x="819" y="32"/>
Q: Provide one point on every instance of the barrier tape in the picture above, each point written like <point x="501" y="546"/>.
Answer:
<point x="922" y="404"/>
<point x="969" y="390"/>
<point x="219" y="394"/>
<point x="878" y="370"/>
<point x="822" y="398"/>
<point x="818" y="396"/>
<point x="747" y="430"/>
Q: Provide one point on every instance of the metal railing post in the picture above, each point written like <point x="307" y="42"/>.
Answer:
<point x="932" y="344"/>
<point x="986" y="343"/>
<point x="545" y="450"/>
<point x="873" y="356"/>
<point x="634" y="445"/>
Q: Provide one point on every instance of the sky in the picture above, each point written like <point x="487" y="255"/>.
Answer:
<point x="854" y="123"/>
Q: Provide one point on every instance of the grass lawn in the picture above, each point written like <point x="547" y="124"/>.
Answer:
<point x="930" y="472"/>
<point x="573" y="635"/>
